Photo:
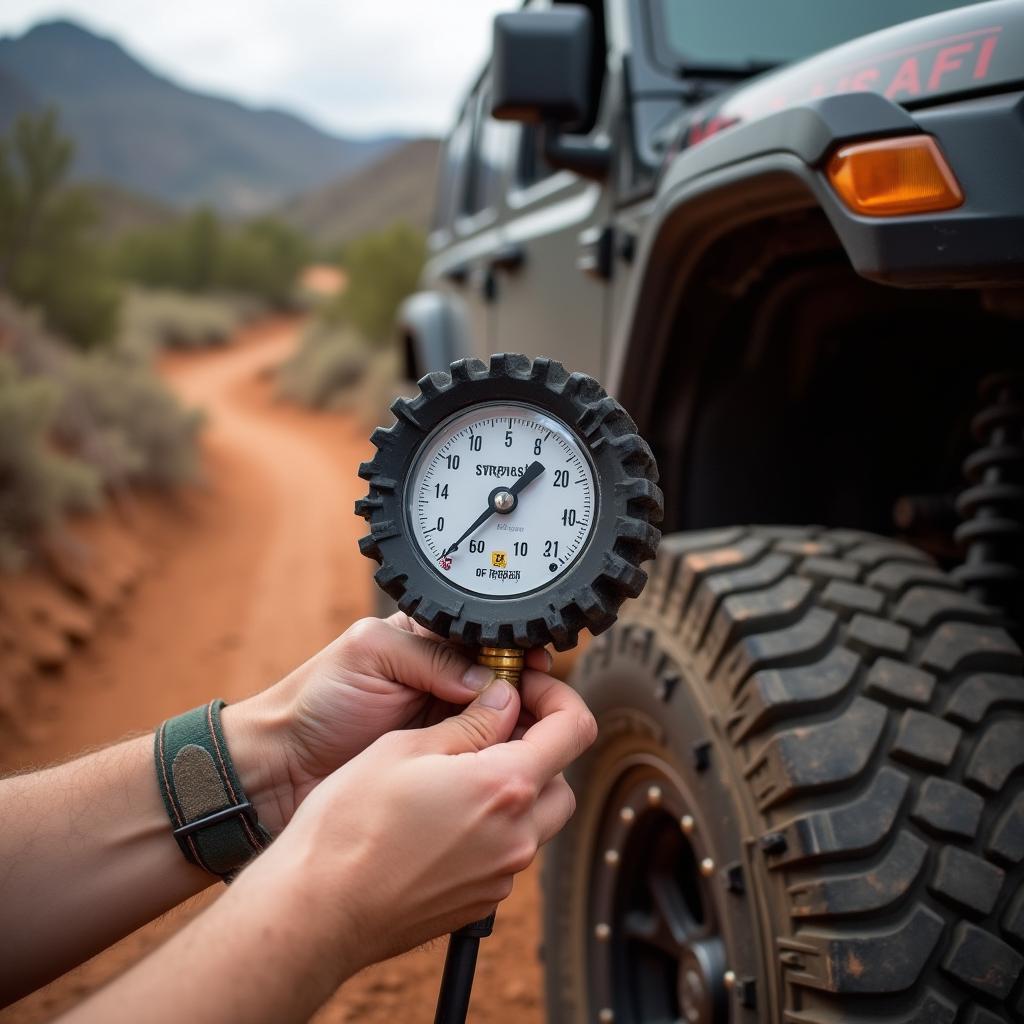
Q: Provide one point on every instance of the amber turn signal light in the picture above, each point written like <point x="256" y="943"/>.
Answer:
<point x="893" y="177"/>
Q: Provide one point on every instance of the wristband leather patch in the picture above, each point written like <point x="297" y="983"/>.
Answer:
<point x="214" y="823"/>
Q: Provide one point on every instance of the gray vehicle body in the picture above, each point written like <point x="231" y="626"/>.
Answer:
<point x="610" y="276"/>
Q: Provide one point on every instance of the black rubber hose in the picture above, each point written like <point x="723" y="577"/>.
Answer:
<point x="459" y="968"/>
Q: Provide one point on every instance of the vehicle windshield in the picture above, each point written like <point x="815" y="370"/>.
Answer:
<point x="747" y="36"/>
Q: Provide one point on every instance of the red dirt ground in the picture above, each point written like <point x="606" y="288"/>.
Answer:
<point x="247" y="576"/>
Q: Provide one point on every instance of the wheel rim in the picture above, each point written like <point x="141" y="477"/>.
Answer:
<point x="657" y="952"/>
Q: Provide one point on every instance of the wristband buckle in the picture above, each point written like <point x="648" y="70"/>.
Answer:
<point x="224" y="814"/>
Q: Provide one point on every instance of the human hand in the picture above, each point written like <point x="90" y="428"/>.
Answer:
<point x="424" y="831"/>
<point x="378" y="676"/>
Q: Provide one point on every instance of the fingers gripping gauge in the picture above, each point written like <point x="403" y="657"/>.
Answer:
<point x="510" y="505"/>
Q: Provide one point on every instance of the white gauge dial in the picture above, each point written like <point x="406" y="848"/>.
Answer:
<point x="501" y="500"/>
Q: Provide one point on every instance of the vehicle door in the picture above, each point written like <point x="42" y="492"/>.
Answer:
<point x="550" y="285"/>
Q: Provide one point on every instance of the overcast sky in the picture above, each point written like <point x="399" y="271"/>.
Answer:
<point x="357" y="67"/>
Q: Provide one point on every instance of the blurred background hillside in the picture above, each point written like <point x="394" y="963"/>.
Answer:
<point x="208" y="217"/>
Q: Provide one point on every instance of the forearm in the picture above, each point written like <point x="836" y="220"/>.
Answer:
<point x="87" y="855"/>
<point x="266" y="951"/>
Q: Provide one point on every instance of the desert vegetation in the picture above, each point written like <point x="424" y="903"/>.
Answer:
<point x="83" y="415"/>
<point x="346" y="356"/>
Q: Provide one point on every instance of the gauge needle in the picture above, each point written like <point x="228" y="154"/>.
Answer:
<point x="533" y="471"/>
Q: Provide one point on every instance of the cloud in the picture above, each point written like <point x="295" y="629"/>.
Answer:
<point x="354" y="67"/>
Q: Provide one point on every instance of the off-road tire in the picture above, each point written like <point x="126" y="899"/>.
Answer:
<point x="849" y="726"/>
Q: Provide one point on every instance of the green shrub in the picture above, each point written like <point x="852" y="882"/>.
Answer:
<point x="154" y="319"/>
<point x="48" y="257"/>
<point x="199" y="254"/>
<point x="38" y="484"/>
<point x="110" y="413"/>
<point x="330" y="362"/>
<point x="383" y="268"/>
<point x="122" y="419"/>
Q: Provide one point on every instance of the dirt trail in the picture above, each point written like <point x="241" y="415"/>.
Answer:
<point x="250" y="574"/>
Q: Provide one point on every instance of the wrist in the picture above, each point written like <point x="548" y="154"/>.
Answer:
<point x="297" y="880"/>
<point x="257" y="731"/>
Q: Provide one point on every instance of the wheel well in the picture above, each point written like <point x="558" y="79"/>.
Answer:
<point x="410" y="365"/>
<point x="793" y="390"/>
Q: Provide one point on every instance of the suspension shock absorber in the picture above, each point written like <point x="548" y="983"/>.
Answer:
<point x="993" y="504"/>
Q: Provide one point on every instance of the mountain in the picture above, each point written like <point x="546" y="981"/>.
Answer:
<point x="146" y="133"/>
<point x="400" y="186"/>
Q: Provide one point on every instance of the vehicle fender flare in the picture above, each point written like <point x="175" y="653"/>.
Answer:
<point x="746" y="173"/>
<point x="432" y="333"/>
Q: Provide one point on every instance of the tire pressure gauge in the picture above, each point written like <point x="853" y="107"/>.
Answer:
<point x="510" y="506"/>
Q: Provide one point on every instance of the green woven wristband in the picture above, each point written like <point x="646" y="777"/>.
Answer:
<point x="213" y="821"/>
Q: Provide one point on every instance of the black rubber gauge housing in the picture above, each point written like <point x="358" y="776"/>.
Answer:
<point x="629" y="502"/>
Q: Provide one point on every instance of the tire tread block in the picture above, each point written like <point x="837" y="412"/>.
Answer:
<point x="763" y="573"/>
<point x="812" y="757"/>
<point x="857" y="827"/>
<point x="895" y="578"/>
<point x="865" y="892"/>
<point x="980" y="694"/>
<point x="1013" y="918"/>
<point x="958" y="646"/>
<point x="900" y="683"/>
<point x="925" y="741"/>
<point x="980" y="961"/>
<point x="849" y="598"/>
<point x="875" y="964"/>
<point x="776" y="692"/>
<point x="875" y="552"/>
<point x="698" y="565"/>
<point x="757" y="611"/>
<point x="798" y="644"/>
<point x="924" y="608"/>
<point x="997" y="755"/>
<point x="873" y="635"/>
<point x="967" y="881"/>
<point x="948" y="808"/>
<point x="1007" y="840"/>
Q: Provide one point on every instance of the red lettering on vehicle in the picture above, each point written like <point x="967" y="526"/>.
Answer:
<point x="947" y="60"/>
<point x="861" y="82"/>
<point x="699" y="132"/>
<point x="907" y="80"/>
<point x="985" y="56"/>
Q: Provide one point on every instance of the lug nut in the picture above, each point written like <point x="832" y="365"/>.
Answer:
<point x="729" y="979"/>
<point x="611" y="857"/>
<point x="606" y="1016"/>
<point x="654" y="796"/>
<point x="627" y="814"/>
<point x="686" y="824"/>
<point x="707" y="867"/>
<point x="602" y="932"/>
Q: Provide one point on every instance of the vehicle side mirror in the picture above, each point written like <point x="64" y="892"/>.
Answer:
<point x="540" y="71"/>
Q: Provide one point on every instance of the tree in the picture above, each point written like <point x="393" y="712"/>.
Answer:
<point x="47" y="258"/>
<point x="383" y="268"/>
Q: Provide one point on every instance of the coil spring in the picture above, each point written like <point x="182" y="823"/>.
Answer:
<point x="993" y="506"/>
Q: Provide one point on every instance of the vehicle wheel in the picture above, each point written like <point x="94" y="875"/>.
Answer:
<point x="806" y="802"/>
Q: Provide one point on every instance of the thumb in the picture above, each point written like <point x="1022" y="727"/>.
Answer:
<point x="488" y="720"/>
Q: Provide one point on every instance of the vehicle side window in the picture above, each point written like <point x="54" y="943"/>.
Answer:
<point x="452" y="176"/>
<point x="490" y="156"/>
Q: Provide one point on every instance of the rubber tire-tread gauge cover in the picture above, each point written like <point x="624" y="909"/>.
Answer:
<point x="607" y="572"/>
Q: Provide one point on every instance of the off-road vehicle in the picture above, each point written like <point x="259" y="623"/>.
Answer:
<point x="789" y="237"/>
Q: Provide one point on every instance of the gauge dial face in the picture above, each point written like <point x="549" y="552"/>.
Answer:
<point x="501" y="500"/>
